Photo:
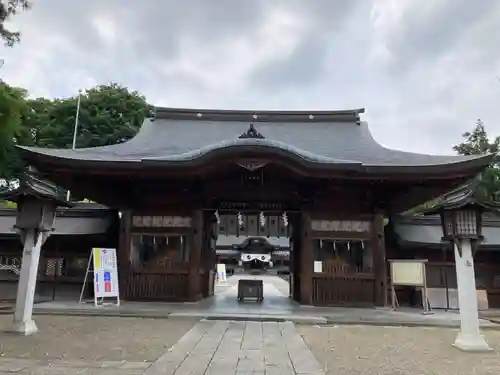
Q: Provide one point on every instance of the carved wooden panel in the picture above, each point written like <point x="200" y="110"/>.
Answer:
<point x="354" y="226"/>
<point x="140" y="221"/>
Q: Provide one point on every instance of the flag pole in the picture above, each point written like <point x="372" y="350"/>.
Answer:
<point x="75" y="130"/>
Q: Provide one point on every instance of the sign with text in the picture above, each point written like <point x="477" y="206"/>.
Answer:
<point x="105" y="273"/>
<point x="221" y="273"/>
<point x="353" y="226"/>
<point x="318" y="266"/>
<point x="161" y="221"/>
<point x="408" y="272"/>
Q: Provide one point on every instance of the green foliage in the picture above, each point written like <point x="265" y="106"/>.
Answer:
<point x="12" y="106"/>
<point x="488" y="189"/>
<point x="109" y="114"/>
<point x="8" y="9"/>
<point x="7" y="204"/>
<point x="477" y="142"/>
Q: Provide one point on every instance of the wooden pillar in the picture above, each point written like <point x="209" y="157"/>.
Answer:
<point x="194" y="291"/>
<point x="379" y="260"/>
<point x="123" y="251"/>
<point x="208" y="256"/>
<point x="306" y="267"/>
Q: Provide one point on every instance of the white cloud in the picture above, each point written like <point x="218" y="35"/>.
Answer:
<point x="425" y="71"/>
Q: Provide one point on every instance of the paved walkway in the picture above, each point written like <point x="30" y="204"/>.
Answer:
<point x="276" y="291"/>
<point x="18" y="366"/>
<point x="227" y="348"/>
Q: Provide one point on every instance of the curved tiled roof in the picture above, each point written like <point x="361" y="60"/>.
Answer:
<point x="316" y="137"/>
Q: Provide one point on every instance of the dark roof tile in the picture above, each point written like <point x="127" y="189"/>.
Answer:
<point x="318" y="137"/>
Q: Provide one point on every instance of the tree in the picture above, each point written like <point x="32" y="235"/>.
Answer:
<point x="9" y="8"/>
<point x="477" y="142"/>
<point x="12" y="105"/>
<point x="109" y="114"/>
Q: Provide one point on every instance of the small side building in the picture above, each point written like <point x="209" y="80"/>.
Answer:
<point x="65" y="254"/>
<point x="419" y="237"/>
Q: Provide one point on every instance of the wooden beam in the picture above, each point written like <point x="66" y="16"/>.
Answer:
<point x="379" y="259"/>
<point x="195" y="255"/>
<point x="124" y="246"/>
<point x="307" y="259"/>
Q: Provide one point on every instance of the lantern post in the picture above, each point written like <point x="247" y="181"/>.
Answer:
<point x="37" y="202"/>
<point x="461" y="220"/>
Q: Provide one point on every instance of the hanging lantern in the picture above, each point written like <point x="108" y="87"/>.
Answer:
<point x="240" y="219"/>
<point x="217" y="217"/>
<point x="348" y="245"/>
<point x="462" y="223"/>
<point x="362" y="244"/>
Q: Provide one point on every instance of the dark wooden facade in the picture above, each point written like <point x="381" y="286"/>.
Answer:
<point x="178" y="278"/>
<point x="340" y="282"/>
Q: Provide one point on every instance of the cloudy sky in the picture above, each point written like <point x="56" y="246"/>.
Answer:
<point x="424" y="70"/>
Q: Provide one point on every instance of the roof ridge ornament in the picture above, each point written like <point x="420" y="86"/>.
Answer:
<point x="251" y="133"/>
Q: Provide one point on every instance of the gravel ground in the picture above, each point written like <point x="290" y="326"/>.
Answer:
<point x="350" y="350"/>
<point x="94" y="338"/>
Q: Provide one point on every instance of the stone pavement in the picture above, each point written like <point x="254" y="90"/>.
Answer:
<point x="238" y="348"/>
<point x="17" y="366"/>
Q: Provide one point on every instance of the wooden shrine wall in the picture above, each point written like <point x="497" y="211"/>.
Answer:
<point x="165" y="257"/>
<point x="329" y="278"/>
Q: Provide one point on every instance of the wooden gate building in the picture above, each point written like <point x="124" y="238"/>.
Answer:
<point x="317" y="177"/>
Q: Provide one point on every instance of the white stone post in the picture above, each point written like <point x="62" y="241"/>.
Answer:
<point x="23" y="320"/>
<point x="470" y="338"/>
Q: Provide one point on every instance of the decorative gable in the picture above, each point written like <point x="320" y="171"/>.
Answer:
<point x="251" y="133"/>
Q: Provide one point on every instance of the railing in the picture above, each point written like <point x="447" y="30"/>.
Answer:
<point x="11" y="264"/>
<point x="63" y="269"/>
